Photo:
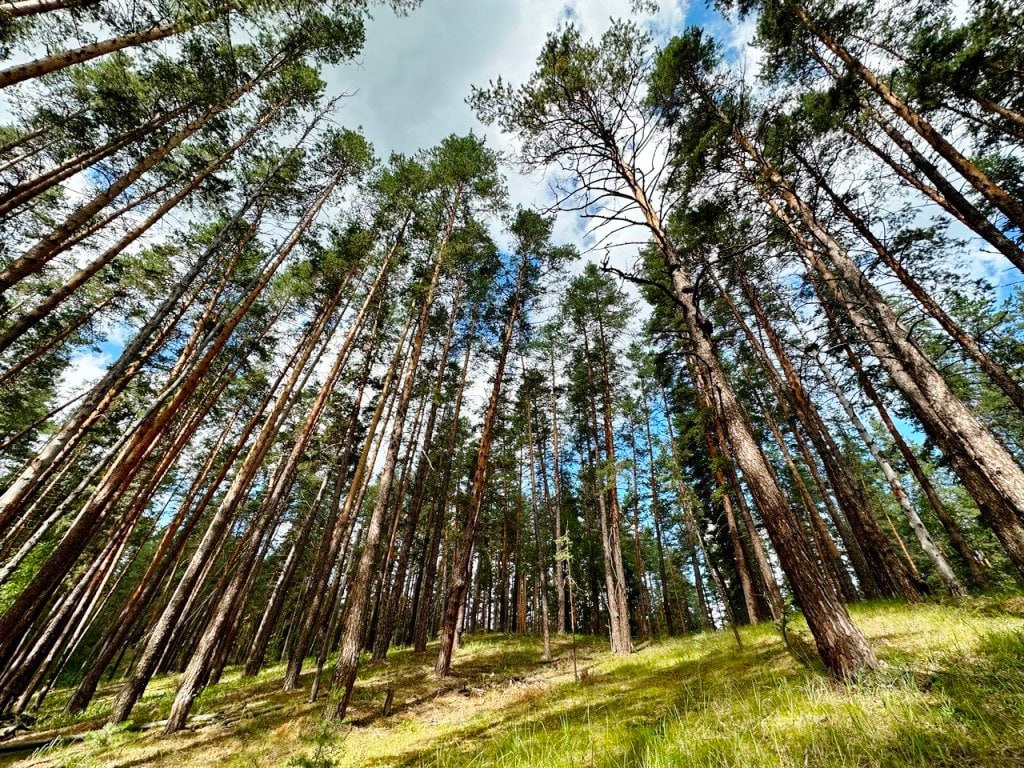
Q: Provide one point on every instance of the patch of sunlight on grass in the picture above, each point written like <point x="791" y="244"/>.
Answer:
<point x="951" y="694"/>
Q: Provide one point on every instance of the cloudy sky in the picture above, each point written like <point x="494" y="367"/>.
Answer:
<point x="415" y="72"/>
<point x="410" y="84"/>
<point x="407" y="89"/>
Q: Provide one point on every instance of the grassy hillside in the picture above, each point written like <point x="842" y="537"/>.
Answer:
<point x="952" y="694"/>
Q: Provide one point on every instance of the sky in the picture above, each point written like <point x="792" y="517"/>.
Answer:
<point x="408" y="87"/>
<point x="410" y="84"/>
<point x="407" y="91"/>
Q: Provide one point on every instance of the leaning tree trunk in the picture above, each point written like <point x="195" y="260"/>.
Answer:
<point x="422" y="607"/>
<point x="222" y="625"/>
<point x="996" y="372"/>
<point x="145" y="342"/>
<point x="995" y="195"/>
<point x="988" y="472"/>
<point x="387" y="561"/>
<point x="323" y="591"/>
<point x="31" y="188"/>
<point x="772" y="593"/>
<point x="55" y="242"/>
<point x="938" y="560"/>
<point x="963" y="548"/>
<point x="328" y="630"/>
<point x="840" y="643"/>
<point x="742" y="569"/>
<point x="16" y="9"/>
<point x="177" y="607"/>
<point x="64" y="59"/>
<point x="944" y="193"/>
<point x="279" y="492"/>
<point x="169" y="549"/>
<point x="387" y="622"/>
<point x="686" y="535"/>
<point x="828" y="553"/>
<point x="67" y="287"/>
<point x="344" y="676"/>
<point x="146" y="665"/>
<point x="272" y="611"/>
<point x="887" y="571"/>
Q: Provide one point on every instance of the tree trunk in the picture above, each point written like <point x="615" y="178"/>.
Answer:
<point x="996" y="372"/>
<point x="30" y="189"/>
<point x="318" y="613"/>
<point x="67" y="287"/>
<point x="387" y="623"/>
<point x="840" y="643"/>
<point x="984" y="465"/>
<point x="742" y="570"/>
<point x="988" y="189"/>
<point x="218" y="525"/>
<point x="606" y="493"/>
<point x="652" y="479"/>
<point x="461" y="568"/>
<point x="16" y="9"/>
<point x="987" y="470"/>
<point x="560" y="562"/>
<point x="169" y="549"/>
<point x="344" y="676"/>
<point x="148" y="339"/>
<point x="421" y="615"/>
<point x="54" y="242"/>
<point x="886" y="569"/>
<point x="272" y="611"/>
<point x="542" y="585"/>
<point x="65" y="59"/>
<point x="643" y="608"/>
<point x="963" y="548"/>
<point x="917" y="525"/>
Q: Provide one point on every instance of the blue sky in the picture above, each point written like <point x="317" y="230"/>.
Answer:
<point x="407" y="89"/>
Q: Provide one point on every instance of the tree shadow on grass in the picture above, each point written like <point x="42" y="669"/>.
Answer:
<point x="972" y="714"/>
<point x="694" y="701"/>
<point x="631" y="695"/>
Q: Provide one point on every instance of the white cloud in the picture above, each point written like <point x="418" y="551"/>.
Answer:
<point x="415" y="71"/>
<point x="84" y="370"/>
<point x="410" y="84"/>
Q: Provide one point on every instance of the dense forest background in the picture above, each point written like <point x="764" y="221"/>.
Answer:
<point x="745" y="340"/>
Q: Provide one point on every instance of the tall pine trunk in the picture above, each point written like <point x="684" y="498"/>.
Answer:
<point x="840" y="643"/>
<point x="461" y="569"/>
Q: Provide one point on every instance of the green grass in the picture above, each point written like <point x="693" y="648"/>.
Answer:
<point x="951" y="694"/>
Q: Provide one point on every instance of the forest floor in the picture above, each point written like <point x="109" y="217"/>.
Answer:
<point x="951" y="694"/>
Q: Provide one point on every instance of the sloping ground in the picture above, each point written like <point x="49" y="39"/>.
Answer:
<point x="952" y="695"/>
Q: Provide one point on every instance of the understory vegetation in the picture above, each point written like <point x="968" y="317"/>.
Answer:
<point x="951" y="694"/>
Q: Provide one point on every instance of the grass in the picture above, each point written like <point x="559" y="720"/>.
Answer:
<point x="951" y="694"/>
